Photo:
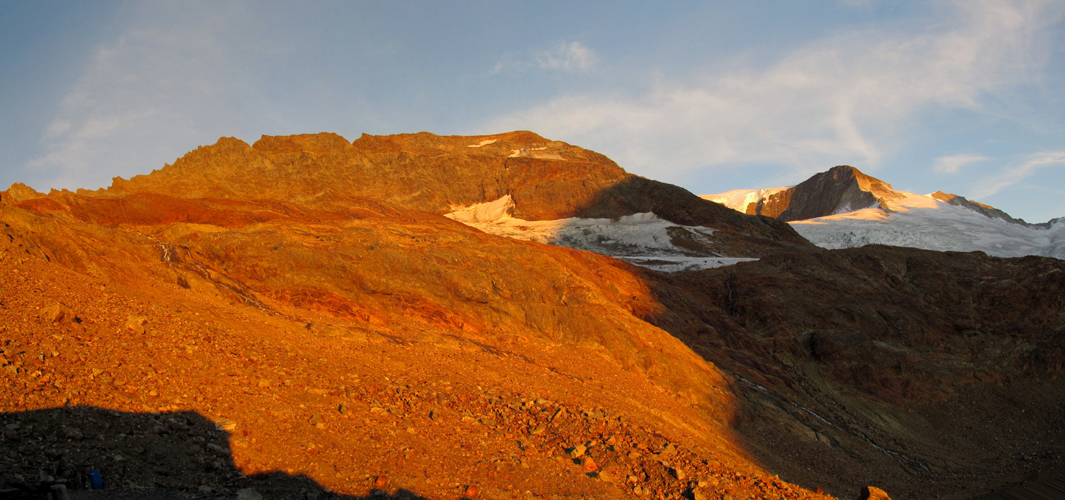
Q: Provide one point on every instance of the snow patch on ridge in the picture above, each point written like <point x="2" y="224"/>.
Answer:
<point x="740" y="199"/>
<point x="921" y="221"/>
<point x="500" y="209"/>
<point x="483" y="143"/>
<point x="642" y="239"/>
<point x="534" y="153"/>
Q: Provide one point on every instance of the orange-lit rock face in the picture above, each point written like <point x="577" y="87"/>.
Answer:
<point x="344" y="340"/>
<point x="341" y="402"/>
<point x="546" y="179"/>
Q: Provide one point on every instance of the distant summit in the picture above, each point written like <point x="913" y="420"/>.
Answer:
<point x="839" y="190"/>
<point x="844" y="208"/>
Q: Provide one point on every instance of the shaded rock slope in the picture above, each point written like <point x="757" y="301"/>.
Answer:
<point x="930" y="374"/>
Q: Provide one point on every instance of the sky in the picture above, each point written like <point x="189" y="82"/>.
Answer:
<point x="964" y="96"/>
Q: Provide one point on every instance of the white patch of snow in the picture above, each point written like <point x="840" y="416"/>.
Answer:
<point x="483" y="143"/>
<point x="642" y="239"/>
<point x="533" y="153"/>
<point x="500" y="209"/>
<point x="673" y="264"/>
<point x="920" y="221"/>
<point x="740" y="199"/>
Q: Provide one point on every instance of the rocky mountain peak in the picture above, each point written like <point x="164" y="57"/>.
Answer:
<point x="838" y="190"/>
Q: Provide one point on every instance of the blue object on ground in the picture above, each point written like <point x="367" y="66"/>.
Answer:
<point x="94" y="479"/>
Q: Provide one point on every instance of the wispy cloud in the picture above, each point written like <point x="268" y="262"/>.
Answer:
<point x="953" y="163"/>
<point x="571" y="57"/>
<point x="1017" y="173"/>
<point x="842" y="99"/>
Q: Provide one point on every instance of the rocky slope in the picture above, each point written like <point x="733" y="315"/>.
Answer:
<point x="309" y="298"/>
<point x="843" y="208"/>
<point x="930" y="374"/>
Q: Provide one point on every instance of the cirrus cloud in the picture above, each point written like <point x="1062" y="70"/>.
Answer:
<point x="573" y="57"/>
<point x="953" y="163"/>
<point x="1017" y="173"/>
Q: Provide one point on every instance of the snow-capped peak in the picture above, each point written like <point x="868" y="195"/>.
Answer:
<point x="938" y="221"/>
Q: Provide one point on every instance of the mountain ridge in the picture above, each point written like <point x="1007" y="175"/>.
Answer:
<point x="843" y="208"/>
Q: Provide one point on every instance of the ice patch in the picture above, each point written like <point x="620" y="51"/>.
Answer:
<point x="484" y="212"/>
<point x="534" y="153"/>
<point x="642" y="239"/>
<point x="920" y="221"/>
<point x="741" y="199"/>
<point x="668" y="264"/>
<point x="483" y="143"/>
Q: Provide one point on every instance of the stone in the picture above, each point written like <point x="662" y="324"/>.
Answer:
<point x="588" y="464"/>
<point x="677" y="473"/>
<point x="53" y="313"/>
<point x="577" y="451"/>
<point x="873" y="493"/>
<point x="539" y="429"/>
<point x="136" y="324"/>
<point x="59" y="492"/>
<point x="606" y="476"/>
<point x="380" y="482"/>
<point x="226" y="424"/>
<point x="470" y="491"/>
<point x="248" y="494"/>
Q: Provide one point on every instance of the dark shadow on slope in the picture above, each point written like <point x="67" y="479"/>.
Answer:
<point x="737" y="235"/>
<point x="180" y="455"/>
<point x="924" y="373"/>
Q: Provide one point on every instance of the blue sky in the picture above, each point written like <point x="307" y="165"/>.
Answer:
<point x="963" y="96"/>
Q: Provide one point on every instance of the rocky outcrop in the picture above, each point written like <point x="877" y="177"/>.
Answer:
<point x="839" y="190"/>
<point x="987" y="210"/>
